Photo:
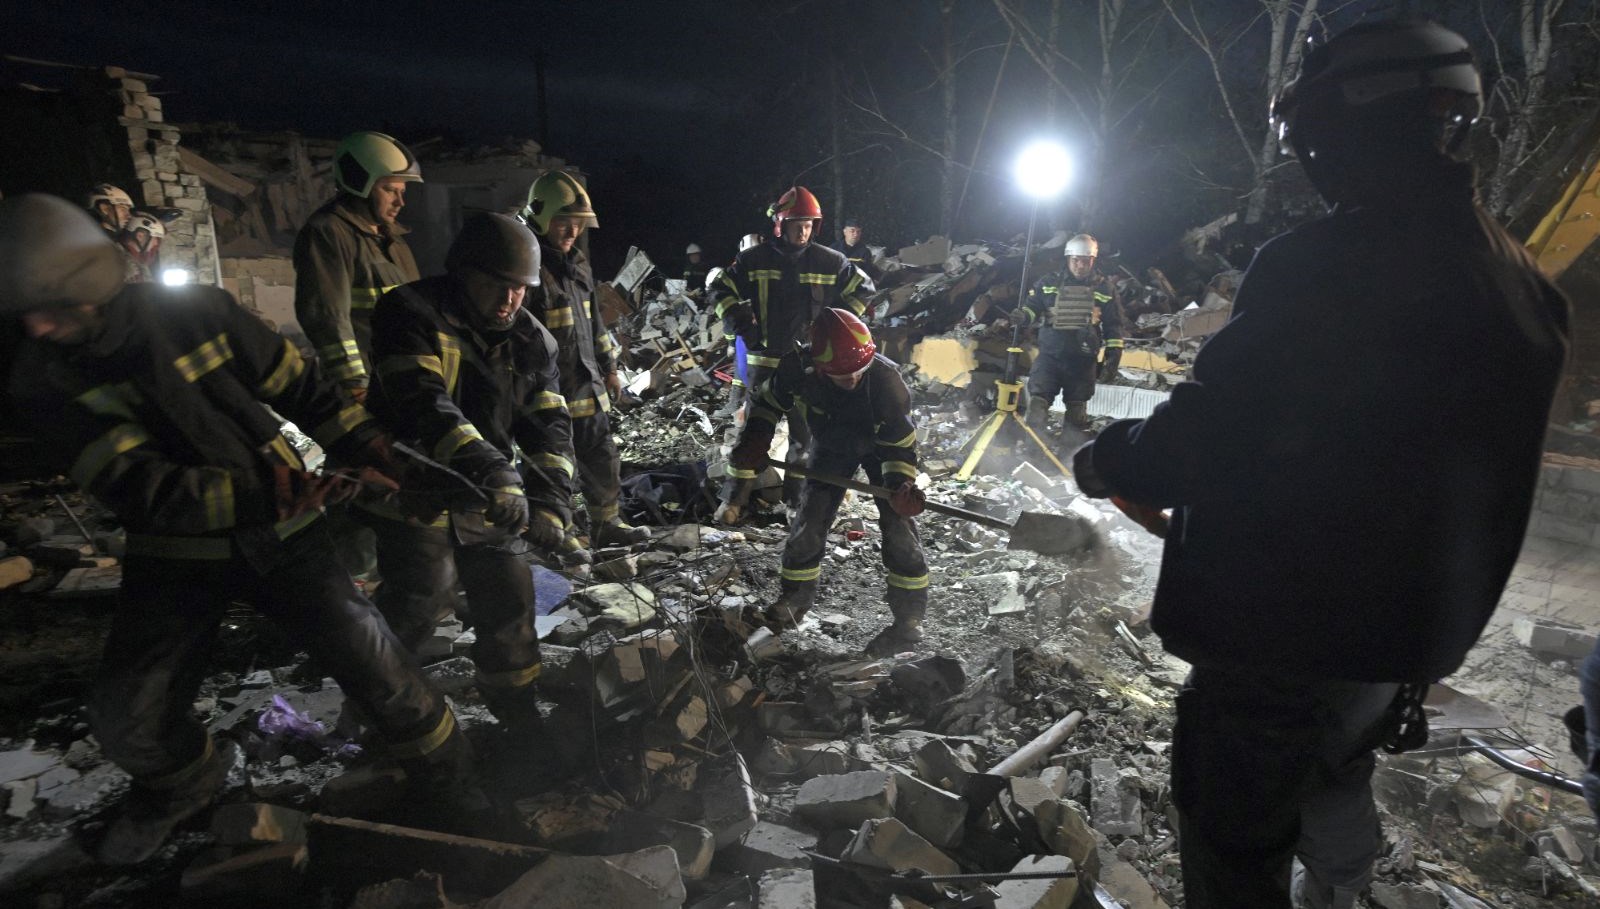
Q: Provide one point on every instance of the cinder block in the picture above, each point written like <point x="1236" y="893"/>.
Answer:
<point x="888" y="843"/>
<point x="788" y="888"/>
<point x="1039" y="893"/>
<point x="932" y="813"/>
<point x="770" y="846"/>
<point x="846" y="799"/>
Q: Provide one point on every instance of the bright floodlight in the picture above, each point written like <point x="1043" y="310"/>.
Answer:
<point x="172" y="277"/>
<point x="1043" y="169"/>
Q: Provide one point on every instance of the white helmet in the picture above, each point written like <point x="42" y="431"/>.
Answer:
<point x="693" y="248"/>
<point x="1083" y="245"/>
<point x="713" y="276"/>
<point x="749" y="240"/>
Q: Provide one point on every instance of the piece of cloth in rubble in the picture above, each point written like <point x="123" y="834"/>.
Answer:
<point x="1352" y="466"/>
<point x="668" y="496"/>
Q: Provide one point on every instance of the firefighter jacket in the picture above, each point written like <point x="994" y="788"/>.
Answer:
<point x="788" y="286"/>
<point x="861" y="257"/>
<point x="1106" y="325"/>
<point x="342" y="265"/>
<point x="163" y="410"/>
<point x="564" y="303"/>
<point x="1340" y="510"/>
<point x="471" y="399"/>
<point x="878" y="408"/>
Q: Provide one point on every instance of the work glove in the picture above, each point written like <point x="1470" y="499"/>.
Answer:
<point x="751" y="452"/>
<point x="1089" y="481"/>
<point x="508" y="504"/>
<point x="296" y="492"/>
<point x="614" y="385"/>
<point x="545" y="530"/>
<point x="1022" y="315"/>
<point x="908" y="500"/>
<point x="1113" y="360"/>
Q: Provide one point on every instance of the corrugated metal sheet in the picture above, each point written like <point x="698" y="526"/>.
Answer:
<point x="1122" y="402"/>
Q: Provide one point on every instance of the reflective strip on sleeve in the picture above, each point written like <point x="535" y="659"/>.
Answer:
<point x="450" y="360"/>
<point x="289" y="368"/>
<point x="606" y="344"/>
<point x="737" y="383"/>
<point x="454" y="439"/>
<point x="550" y="518"/>
<point x="280" y="446"/>
<point x="583" y="408"/>
<point x="367" y="297"/>
<point x="510" y="678"/>
<point x="204" y="359"/>
<point x="801" y="574"/>
<point x="554" y="462"/>
<point x="920" y="582"/>
<point x="216" y="495"/>
<point x="762" y="361"/>
<point x="906" y="442"/>
<point x="1114" y="342"/>
<point x="110" y="400"/>
<point x="342" y="360"/>
<point x="1047" y="289"/>
<point x="397" y="363"/>
<point x="739" y="474"/>
<point x="811" y="277"/>
<point x="1101" y="298"/>
<point x="119" y="440"/>
<point x="423" y="745"/>
<point x="549" y="400"/>
<point x="900" y="467"/>
<point x="605" y="514"/>
<point x="336" y="428"/>
<point x="557" y="318"/>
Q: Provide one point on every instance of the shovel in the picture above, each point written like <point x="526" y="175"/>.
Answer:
<point x="1046" y="534"/>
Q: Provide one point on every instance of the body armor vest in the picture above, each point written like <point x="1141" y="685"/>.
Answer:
<point x="1073" y="308"/>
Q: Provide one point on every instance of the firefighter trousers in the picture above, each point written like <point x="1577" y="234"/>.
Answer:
<point x="808" y="534"/>
<point x="739" y="483"/>
<point x="141" y="706"/>
<point x="420" y="566"/>
<point x="1069" y="376"/>
<point x="1267" y="769"/>
<point x="599" y="467"/>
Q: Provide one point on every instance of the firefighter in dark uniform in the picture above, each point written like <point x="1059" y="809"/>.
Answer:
<point x="771" y="295"/>
<point x="859" y="411"/>
<point x="559" y="211"/>
<point x="348" y="253"/>
<point x="469" y="377"/>
<point x="157" y="393"/>
<point x="696" y="269"/>
<point x="1077" y="310"/>
<point x="854" y="246"/>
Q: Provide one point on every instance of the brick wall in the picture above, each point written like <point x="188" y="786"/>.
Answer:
<point x="1567" y="507"/>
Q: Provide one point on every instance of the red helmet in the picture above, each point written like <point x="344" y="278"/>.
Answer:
<point x="841" y="344"/>
<point x="797" y="203"/>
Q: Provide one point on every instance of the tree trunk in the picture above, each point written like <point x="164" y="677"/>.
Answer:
<point x="947" y="185"/>
<point x="1283" y="62"/>
<point x="834" y="128"/>
<point x="1522" y="108"/>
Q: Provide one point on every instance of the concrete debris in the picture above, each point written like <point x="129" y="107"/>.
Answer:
<point x="1556" y="638"/>
<point x="728" y="796"/>
<point x="787" y="888"/>
<point x="425" y="890"/>
<point x="847" y="799"/>
<point x="25" y="762"/>
<point x="1042" y="893"/>
<point x="889" y="843"/>
<point x="226" y="876"/>
<point x="932" y="813"/>
<point x="943" y="766"/>
<point x="1117" y="809"/>
<point x="641" y="879"/>
<point x="770" y="846"/>
<point x="1404" y="896"/>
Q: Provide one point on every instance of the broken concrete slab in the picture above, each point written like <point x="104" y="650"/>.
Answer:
<point x="25" y="762"/>
<point x="683" y="538"/>
<point x="1040" y="893"/>
<point x="930" y="252"/>
<point x="727" y="797"/>
<point x="1066" y="831"/>
<point x="20" y="798"/>
<point x="256" y="823"/>
<point x="588" y="881"/>
<point x="788" y="888"/>
<point x="769" y="846"/>
<point x="628" y="605"/>
<point x="1000" y="590"/>
<point x="932" y="813"/>
<point x="568" y="820"/>
<point x="625" y="568"/>
<point x="693" y="844"/>
<point x="846" y="799"/>
<point x="1123" y="881"/>
<point x="1028" y="793"/>
<point x="1117" y="809"/>
<point x="1543" y="635"/>
<point x="85" y="794"/>
<point x="223" y="876"/>
<point x="941" y="765"/>
<point x="889" y="843"/>
<point x="1404" y="896"/>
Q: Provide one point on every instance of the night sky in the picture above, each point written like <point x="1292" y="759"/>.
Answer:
<point x="689" y="115"/>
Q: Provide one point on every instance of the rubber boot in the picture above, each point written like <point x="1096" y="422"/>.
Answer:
<point x="576" y="560"/>
<point x="902" y="634"/>
<point x="1036" y="414"/>
<point x="1075" y="428"/>
<point x="786" y="612"/>
<point x="446" y="792"/>
<point x="616" y="532"/>
<point x="150" y="815"/>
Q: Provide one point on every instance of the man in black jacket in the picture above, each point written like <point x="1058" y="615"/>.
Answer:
<point x="161" y="395"/>
<point x="468" y="376"/>
<point x="770" y="297"/>
<point x="1351" y="471"/>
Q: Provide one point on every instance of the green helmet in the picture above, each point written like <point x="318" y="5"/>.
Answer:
<point x="53" y="255"/>
<point x="557" y="193"/>
<point x="497" y="245"/>
<point x="364" y="158"/>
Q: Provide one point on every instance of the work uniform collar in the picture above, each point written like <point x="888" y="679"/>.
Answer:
<point x="789" y="250"/>
<point x="561" y="264"/>
<point x="353" y="209"/>
<point x="457" y="311"/>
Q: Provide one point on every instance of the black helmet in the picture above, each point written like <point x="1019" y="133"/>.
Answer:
<point x="1382" y="84"/>
<point x="496" y="244"/>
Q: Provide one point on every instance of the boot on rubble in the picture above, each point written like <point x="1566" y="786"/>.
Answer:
<point x="902" y="634"/>
<point x="731" y="406"/>
<point x="1076" y="428"/>
<point x="616" y="532"/>
<point x="150" y="814"/>
<point x="787" y="611"/>
<point x="1036" y="414"/>
<point x="575" y="558"/>
<point x="446" y="791"/>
